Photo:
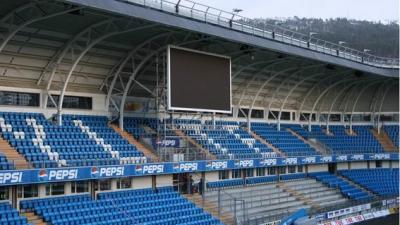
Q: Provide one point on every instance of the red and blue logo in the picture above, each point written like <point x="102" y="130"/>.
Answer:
<point x="176" y="167"/>
<point x="138" y="169"/>
<point x="94" y="172"/>
<point x="43" y="175"/>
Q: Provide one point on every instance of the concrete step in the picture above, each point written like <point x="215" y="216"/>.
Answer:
<point x="199" y="148"/>
<point x="266" y="142"/>
<point x="147" y="152"/>
<point x="321" y="151"/>
<point x="211" y="208"/>
<point x="384" y="139"/>
<point x="33" y="218"/>
<point x="13" y="155"/>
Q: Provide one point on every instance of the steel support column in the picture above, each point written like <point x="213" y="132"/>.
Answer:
<point x="291" y="91"/>
<point x="320" y="96"/>
<point x="356" y="102"/>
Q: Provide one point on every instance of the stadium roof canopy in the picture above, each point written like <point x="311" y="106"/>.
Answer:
<point x="114" y="47"/>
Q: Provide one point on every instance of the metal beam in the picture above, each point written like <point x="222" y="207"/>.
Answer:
<point x="347" y="87"/>
<point x="305" y="97"/>
<point x="85" y="50"/>
<point x="291" y="91"/>
<point x="276" y="74"/>
<point x="126" y="59"/>
<point x="37" y="14"/>
<point x="320" y="96"/>
<point x="281" y="84"/>
<point x="273" y="63"/>
<point x="356" y="102"/>
<point x="382" y="101"/>
<point x="60" y="54"/>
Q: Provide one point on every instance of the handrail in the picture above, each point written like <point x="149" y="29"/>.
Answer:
<point x="211" y="15"/>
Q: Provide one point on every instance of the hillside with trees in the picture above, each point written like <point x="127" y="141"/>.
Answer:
<point x="381" y="39"/>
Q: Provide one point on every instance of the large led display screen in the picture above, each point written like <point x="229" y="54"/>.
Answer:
<point x="198" y="81"/>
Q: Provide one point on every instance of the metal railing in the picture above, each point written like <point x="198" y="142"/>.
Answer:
<point x="210" y="15"/>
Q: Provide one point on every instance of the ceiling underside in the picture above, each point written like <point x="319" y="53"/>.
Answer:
<point x="46" y="41"/>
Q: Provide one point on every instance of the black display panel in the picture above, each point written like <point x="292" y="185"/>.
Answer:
<point x="198" y="81"/>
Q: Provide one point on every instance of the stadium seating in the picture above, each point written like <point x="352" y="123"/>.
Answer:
<point x="226" y="139"/>
<point x="225" y="183"/>
<point x="143" y="206"/>
<point x="283" y="140"/>
<point x="345" y="187"/>
<point x="5" y="164"/>
<point x="261" y="180"/>
<point x="80" y="141"/>
<point x="269" y="200"/>
<point x="133" y="125"/>
<point x="293" y="176"/>
<point x="253" y="180"/>
<point x="10" y="216"/>
<point x="393" y="133"/>
<point x="385" y="181"/>
<point x="340" y="142"/>
<point x="96" y="128"/>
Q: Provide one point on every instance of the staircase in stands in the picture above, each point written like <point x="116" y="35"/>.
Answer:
<point x="211" y="208"/>
<point x="384" y="140"/>
<point x="146" y="151"/>
<point x="265" y="142"/>
<point x="182" y="135"/>
<point x="13" y="155"/>
<point x="299" y="196"/>
<point x="314" y="146"/>
<point x="33" y="218"/>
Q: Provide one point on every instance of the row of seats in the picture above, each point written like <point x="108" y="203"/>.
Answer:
<point x="5" y="164"/>
<point x="393" y="133"/>
<point x="10" y="216"/>
<point x="345" y="187"/>
<point x="226" y="139"/>
<point x="144" y="206"/>
<point x="340" y="141"/>
<point x="283" y="140"/>
<point x="253" y="180"/>
<point x="385" y="181"/>
<point x="81" y="141"/>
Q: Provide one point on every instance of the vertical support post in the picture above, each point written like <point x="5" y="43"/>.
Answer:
<point x="203" y="187"/>
<point x="59" y="117"/>
<point x="249" y="121"/>
<point x="14" y="197"/>
<point x="234" y="210"/>
<point x="219" y="202"/>
<point x="213" y="120"/>
<point x="154" y="182"/>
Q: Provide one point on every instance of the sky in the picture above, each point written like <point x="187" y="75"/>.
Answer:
<point x="371" y="10"/>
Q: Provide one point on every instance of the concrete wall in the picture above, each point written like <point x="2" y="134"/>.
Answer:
<point x="372" y="164"/>
<point x="342" y="166"/>
<point x="212" y="176"/>
<point x="385" y="164"/>
<point x="141" y="182"/>
<point x="395" y="164"/>
<point x="359" y="165"/>
<point x="164" y="180"/>
<point x="317" y="168"/>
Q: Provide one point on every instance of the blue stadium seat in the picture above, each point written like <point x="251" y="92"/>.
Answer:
<point x="143" y="206"/>
<point x="385" y="181"/>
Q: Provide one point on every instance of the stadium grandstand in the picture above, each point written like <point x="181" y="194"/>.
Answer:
<point x="171" y="112"/>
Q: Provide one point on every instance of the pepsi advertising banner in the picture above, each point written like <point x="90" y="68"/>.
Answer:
<point x="168" y="143"/>
<point x="12" y="177"/>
